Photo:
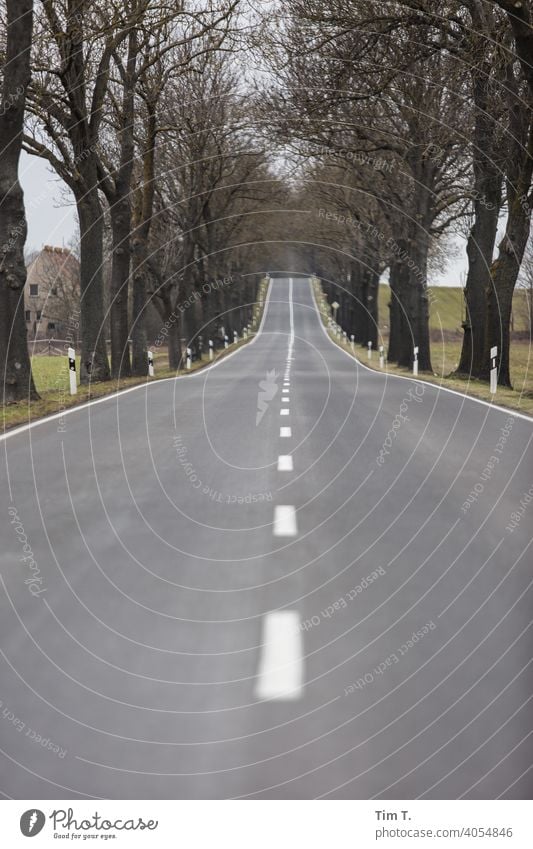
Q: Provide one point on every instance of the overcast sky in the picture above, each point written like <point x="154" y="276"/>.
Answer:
<point x="50" y="221"/>
<point x="52" y="218"/>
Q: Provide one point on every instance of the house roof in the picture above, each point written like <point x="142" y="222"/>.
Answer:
<point x="53" y="263"/>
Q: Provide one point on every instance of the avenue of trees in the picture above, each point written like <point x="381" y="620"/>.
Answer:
<point x="412" y="119"/>
<point x="137" y="107"/>
<point x="377" y="131"/>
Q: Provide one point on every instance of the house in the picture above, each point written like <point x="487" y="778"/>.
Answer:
<point x="51" y="294"/>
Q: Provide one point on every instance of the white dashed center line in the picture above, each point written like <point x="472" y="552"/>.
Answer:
<point x="284" y="411"/>
<point x="285" y="463"/>
<point x="285" y="432"/>
<point x="285" y="521"/>
<point x="280" y="673"/>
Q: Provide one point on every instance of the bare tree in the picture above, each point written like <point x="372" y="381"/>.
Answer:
<point x="17" y="379"/>
<point x="72" y="59"/>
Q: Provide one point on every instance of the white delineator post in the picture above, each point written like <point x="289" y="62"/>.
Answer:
<point x="415" y="360"/>
<point x="189" y="353"/>
<point x="72" y="371"/>
<point x="235" y="337"/>
<point x="352" y="340"/>
<point x="210" y="349"/>
<point x="370" y="350"/>
<point x="150" y="364"/>
<point x="493" y="370"/>
<point x="226" y="341"/>
<point x="381" y="357"/>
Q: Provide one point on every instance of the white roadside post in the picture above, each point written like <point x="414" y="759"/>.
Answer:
<point x="235" y="337"/>
<point x="72" y="371"/>
<point x="344" y="335"/>
<point x="370" y="350"/>
<point x="493" y="370"/>
<point x="335" y="306"/>
<point x="226" y="341"/>
<point x="150" y="364"/>
<point x="210" y="349"/>
<point x="189" y="357"/>
<point x="352" y="340"/>
<point x="381" y="357"/>
<point x="415" y="360"/>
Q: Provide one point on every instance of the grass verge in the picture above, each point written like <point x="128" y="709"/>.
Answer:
<point x="51" y="378"/>
<point x="445" y="357"/>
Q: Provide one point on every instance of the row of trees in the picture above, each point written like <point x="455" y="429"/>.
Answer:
<point x="405" y="124"/>
<point x="413" y="121"/>
<point x="136" y="106"/>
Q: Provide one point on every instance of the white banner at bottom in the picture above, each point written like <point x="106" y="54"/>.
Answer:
<point x="263" y="824"/>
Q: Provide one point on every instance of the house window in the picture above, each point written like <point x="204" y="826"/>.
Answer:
<point x="51" y="325"/>
<point x="28" y="315"/>
<point x="34" y="290"/>
<point x="39" y="312"/>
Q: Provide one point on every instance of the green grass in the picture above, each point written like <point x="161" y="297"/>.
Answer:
<point x="446" y="310"/>
<point x="52" y="383"/>
<point x="51" y="377"/>
<point x="446" y="349"/>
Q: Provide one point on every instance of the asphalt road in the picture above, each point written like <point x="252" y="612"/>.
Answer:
<point x="222" y="599"/>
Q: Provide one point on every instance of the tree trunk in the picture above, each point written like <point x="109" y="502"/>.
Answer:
<point x="121" y="220"/>
<point x="17" y="379"/>
<point x="409" y="301"/>
<point x="142" y="224"/>
<point x="120" y="275"/>
<point x="395" y="310"/>
<point x="139" y="347"/>
<point x="94" y="364"/>
<point x="504" y="273"/>
<point x="174" y="345"/>
<point x="371" y="276"/>
<point x="482" y="237"/>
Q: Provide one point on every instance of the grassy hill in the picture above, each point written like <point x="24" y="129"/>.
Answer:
<point x="447" y="310"/>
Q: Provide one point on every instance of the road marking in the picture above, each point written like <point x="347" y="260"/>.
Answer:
<point x="285" y="521"/>
<point x="286" y="383"/>
<point x="285" y="463"/>
<point x="284" y="411"/>
<point x="285" y="431"/>
<point x="280" y="673"/>
<point x="291" y="315"/>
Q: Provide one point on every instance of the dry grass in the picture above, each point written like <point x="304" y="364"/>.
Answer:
<point x="52" y="382"/>
<point x="51" y="378"/>
<point x="445" y="353"/>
